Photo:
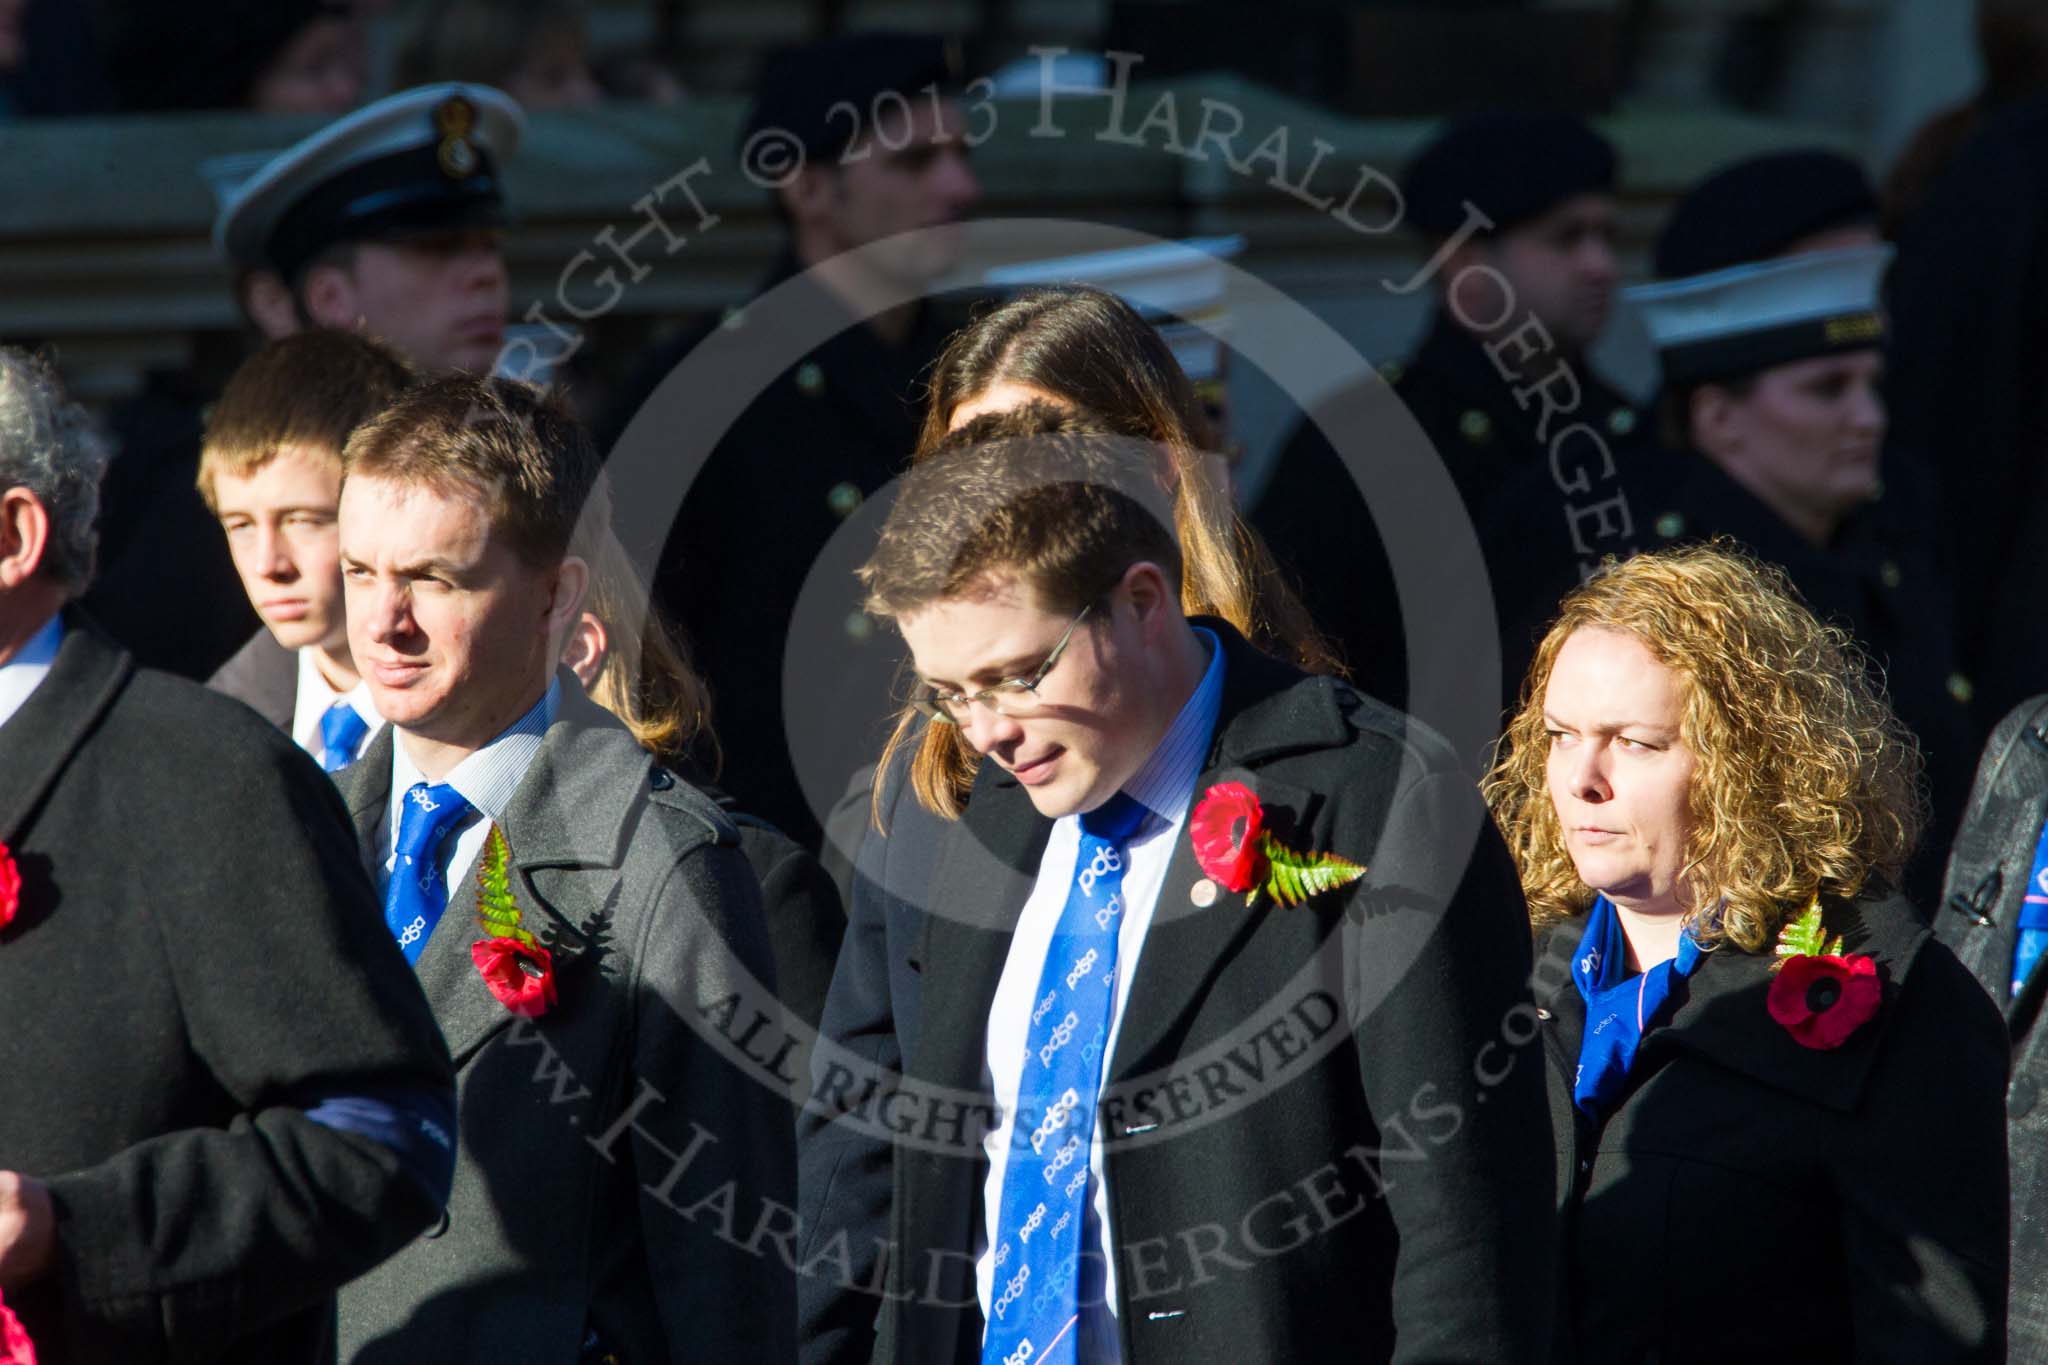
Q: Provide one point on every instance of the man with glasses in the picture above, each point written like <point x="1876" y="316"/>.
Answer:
<point x="1085" y="1170"/>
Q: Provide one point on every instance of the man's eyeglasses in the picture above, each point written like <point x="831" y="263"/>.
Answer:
<point x="1010" y="697"/>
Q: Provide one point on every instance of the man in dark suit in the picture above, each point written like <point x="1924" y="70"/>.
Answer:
<point x="617" y="1170"/>
<point x="225" y="1094"/>
<point x="1085" y="1169"/>
<point x="831" y="430"/>
<point x="1995" y="916"/>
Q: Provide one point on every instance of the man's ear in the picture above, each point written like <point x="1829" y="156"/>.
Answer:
<point x="1710" y="421"/>
<point x="810" y="195"/>
<point x="589" y="644"/>
<point x="269" y="304"/>
<point x="24" y="536"/>
<point x="1473" y="284"/>
<point x="1151" y="599"/>
<point x="329" y="295"/>
<point x="572" y="582"/>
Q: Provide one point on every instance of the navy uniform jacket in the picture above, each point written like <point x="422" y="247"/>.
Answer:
<point x="1750" y="1198"/>
<point x="1979" y="918"/>
<point x="828" y="434"/>
<point x="1968" y="389"/>
<point x="1314" y="520"/>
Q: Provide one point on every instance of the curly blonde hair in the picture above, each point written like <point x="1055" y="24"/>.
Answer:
<point x="1804" y="783"/>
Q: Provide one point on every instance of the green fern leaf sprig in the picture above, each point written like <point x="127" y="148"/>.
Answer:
<point x="496" y="911"/>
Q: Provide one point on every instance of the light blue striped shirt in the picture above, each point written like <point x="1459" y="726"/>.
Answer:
<point x="486" y="779"/>
<point x="1165" y="786"/>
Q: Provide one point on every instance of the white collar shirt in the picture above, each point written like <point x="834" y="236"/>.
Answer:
<point x="21" y="675"/>
<point x="1165" y="786"/>
<point x="316" y="698"/>
<point x="486" y="779"/>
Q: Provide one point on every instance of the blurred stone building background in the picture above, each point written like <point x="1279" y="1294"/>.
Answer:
<point x="105" y="258"/>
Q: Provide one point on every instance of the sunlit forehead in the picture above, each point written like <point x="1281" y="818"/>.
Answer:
<point x="1606" y="682"/>
<point x="965" y="643"/>
<point x="402" y="528"/>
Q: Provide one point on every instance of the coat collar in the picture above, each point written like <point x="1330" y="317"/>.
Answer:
<point x="1721" y="1013"/>
<point x="1269" y="710"/>
<point x="1989" y="867"/>
<point x="88" y="674"/>
<point x="571" y="812"/>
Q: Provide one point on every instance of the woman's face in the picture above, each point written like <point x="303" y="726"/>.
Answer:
<point x="1804" y="438"/>
<point x="1618" y="772"/>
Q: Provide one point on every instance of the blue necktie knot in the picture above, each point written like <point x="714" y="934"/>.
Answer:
<point x="341" y="730"/>
<point x="417" y="894"/>
<point x="1115" y="820"/>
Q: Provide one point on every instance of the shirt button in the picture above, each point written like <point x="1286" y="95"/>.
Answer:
<point x="1889" y="573"/>
<point x="1960" y="688"/>
<point x="1542" y="1013"/>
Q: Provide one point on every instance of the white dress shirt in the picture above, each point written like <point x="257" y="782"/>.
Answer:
<point x="486" y="779"/>
<point x="24" y="673"/>
<point x="316" y="698"/>
<point x="1165" y="786"/>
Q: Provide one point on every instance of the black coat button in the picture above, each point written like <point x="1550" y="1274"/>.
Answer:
<point x="2021" y="1096"/>
<point x="662" y="779"/>
<point x="440" y="1227"/>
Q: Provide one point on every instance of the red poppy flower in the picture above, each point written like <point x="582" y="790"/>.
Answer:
<point x="1227" y="830"/>
<point x="10" y="887"/>
<point x="1823" y="1000"/>
<point x="15" y="1347"/>
<point x="522" y="977"/>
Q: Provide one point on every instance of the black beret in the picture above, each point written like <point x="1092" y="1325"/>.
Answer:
<point x="1754" y="209"/>
<point x="162" y="57"/>
<point x="800" y="85"/>
<point x="1513" y="167"/>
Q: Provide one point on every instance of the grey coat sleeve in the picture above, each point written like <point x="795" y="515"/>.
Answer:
<point x="711" y="1141"/>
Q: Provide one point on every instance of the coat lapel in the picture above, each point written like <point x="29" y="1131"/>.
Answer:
<point x="1265" y="713"/>
<point x="39" y="739"/>
<point x="566" y="828"/>
<point x="1724" y="1016"/>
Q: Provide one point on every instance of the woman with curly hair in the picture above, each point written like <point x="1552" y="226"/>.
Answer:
<point x="1777" y="1102"/>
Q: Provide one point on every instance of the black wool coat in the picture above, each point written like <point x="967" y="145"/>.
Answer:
<point x="1753" y="1199"/>
<point x="197" y="958"/>
<point x="1319" y="1146"/>
<point x="1979" y="919"/>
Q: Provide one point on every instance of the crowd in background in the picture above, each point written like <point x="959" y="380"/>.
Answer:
<point x="1754" y="880"/>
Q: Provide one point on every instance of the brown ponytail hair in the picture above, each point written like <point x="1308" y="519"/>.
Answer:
<point x="1088" y="349"/>
<point x="646" y="679"/>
